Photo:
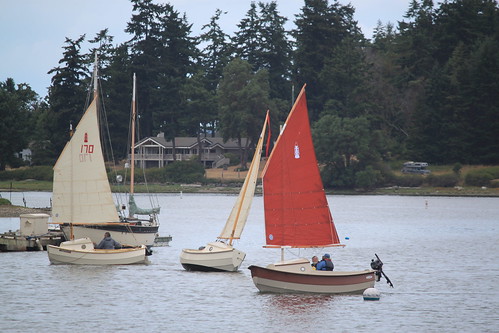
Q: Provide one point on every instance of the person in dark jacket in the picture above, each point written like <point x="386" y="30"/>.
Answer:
<point x="108" y="243"/>
<point x="325" y="264"/>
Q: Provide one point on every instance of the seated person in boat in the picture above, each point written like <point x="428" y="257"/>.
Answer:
<point x="315" y="260"/>
<point x="108" y="243"/>
<point x="325" y="264"/>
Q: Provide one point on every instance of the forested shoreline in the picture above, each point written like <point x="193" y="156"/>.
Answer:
<point x="424" y="88"/>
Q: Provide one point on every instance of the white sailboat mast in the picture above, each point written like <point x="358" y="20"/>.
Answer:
<point x="132" y="155"/>
<point x="96" y="93"/>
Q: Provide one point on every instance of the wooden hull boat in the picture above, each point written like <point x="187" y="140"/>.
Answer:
<point x="297" y="276"/>
<point x="82" y="252"/>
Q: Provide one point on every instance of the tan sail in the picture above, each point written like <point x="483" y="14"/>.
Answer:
<point x="239" y="214"/>
<point x="219" y="256"/>
<point x="81" y="191"/>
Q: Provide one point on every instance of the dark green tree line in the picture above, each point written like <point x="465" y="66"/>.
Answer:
<point x="423" y="89"/>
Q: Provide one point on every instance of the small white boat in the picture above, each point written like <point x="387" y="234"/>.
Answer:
<point x="215" y="256"/>
<point x="82" y="252"/>
<point x="219" y="255"/>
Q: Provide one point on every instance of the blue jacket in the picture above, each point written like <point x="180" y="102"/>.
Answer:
<point x="325" y="265"/>
<point x="108" y="243"/>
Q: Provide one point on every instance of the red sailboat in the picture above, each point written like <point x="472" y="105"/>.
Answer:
<point x="297" y="215"/>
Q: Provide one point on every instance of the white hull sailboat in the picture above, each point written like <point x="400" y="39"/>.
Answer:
<point x="82" y="200"/>
<point x="297" y="215"/>
<point x="221" y="255"/>
<point x="82" y="252"/>
<point x="214" y="257"/>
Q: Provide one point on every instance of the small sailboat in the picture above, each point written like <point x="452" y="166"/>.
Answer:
<point x="82" y="200"/>
<point x="81" y="251"/>
<point x="149" y="224"/>
<point x="221" y="255"/>
<point x="297" y="215"/>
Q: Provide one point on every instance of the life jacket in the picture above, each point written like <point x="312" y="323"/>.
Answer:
<point x="329" y="265"/>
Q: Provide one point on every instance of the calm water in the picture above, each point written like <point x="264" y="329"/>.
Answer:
<point x="442" y="254"/>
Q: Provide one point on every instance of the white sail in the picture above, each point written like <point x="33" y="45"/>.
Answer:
<point x="81" y="191"/>
<point x="239" y="214"/>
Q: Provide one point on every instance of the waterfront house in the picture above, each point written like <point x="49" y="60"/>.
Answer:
<point x="157" y="152"/>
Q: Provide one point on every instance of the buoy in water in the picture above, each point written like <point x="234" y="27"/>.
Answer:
<point x="371" y="294"/>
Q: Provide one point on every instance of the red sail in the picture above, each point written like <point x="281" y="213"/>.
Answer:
<point x="296" y="210"/>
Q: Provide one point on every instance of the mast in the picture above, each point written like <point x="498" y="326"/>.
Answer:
<point x="132" y="155"/>
<point x="96" y="94"/>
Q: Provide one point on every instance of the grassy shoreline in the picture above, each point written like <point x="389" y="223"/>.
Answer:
<point x="233" y="188"/>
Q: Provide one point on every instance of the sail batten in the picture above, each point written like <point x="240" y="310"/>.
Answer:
<point x="296" y="210"/>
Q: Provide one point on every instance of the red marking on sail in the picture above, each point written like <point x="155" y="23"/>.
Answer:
<point x="85" y="137"/>
<point x="296" y="209"/>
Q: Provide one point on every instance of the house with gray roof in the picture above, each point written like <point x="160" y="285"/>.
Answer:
<point x="157" y="152"/>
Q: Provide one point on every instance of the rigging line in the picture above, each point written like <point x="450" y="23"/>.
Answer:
<point x="106" y="139"/>
<point x="137" y="130"/>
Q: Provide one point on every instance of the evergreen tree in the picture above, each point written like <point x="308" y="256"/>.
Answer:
<point x="483" y="97"/>
<point x="246" y="42"/>
<point x="344" y="78"/>
<point x="343" y="146"/>
<point x="263" y="41"/>
<point x="117" y="99"/>
<point x="214" y="57"/>
<point x="163" y="55"/>
<point x="276" y="50"/>
<point x="244" y="99"/>
<point x="320" y="29"/>
<point x="416" y="45"/>
<point x="216" y="52"/>
<point x="17" y="102"/>
<point x="67" y="93"/>
<point x="146" y="48"/>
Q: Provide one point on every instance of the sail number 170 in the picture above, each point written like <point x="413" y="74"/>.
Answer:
<point x="85" y="152"/>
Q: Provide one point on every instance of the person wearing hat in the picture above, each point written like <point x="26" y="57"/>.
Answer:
<point x="325" y="264"/>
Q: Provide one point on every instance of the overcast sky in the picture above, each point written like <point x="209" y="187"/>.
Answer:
<point x="32" y="32"/>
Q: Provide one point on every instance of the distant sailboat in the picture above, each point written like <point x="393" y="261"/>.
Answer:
<point x="151" y="224"/>
<point x="219" y="255"/>
<point x="82" y="200"/>
<point x="297" y="215"/>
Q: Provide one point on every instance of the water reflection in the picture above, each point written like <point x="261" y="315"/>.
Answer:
<point x="300" y="303"/>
